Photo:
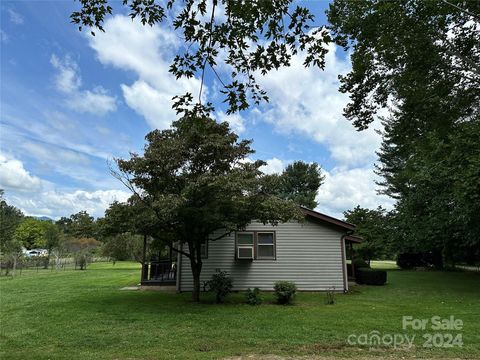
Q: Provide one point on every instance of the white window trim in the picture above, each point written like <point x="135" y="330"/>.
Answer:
<point x="255" y="244"/>
<point x="273" y="245"/>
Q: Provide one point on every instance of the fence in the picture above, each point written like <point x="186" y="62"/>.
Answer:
<point x="42" y="263"/>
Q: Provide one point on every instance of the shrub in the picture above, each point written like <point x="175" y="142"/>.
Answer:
<point x="253" y="297"/>
<point x="81" y="260"/>
<point x="285" y="292"/>
<point x="408" y="260"/>
<point x="359" y="263"/>
<point x="221" y="285"/>
<point x="330" y="297"/>
<point x="369" y="276"/>
<point x="426" y="259"/>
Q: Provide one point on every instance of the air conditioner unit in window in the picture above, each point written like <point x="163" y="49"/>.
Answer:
<point x="245" y="252"/>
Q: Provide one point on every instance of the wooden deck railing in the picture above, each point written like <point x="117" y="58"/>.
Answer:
<point x="159" y="272"/>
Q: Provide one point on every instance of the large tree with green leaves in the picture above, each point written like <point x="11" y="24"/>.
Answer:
<point x="244" y="38"/>
<point x="10" y="219"/>
<point x="374" y="226"/>
<point x="78" y="225"/>
<point x="196" y="179"/>
<point x="126" y="228"/>
<point x="426" y="53"/>
<point x="31" y="233"/>
<point x="420" y="59"/>
<point x="300" y="182"/>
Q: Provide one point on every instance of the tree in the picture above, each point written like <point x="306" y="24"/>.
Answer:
<point x="52" y="235"/>
<point x="52" y="241"/>
<point x="121" y="247"/>
<point x="125" y="229"/>
<point x="78" y="225"/>
<point x="248" y="37"/>
<point x="420" y="59"/>
<point x="82" y="250"/>
<point x="423" y="52"/>
<point x="439" y="211"/>
<point x="300" y="182"/>
<point x="31" y="233"/>
<point x="195" y="179"/>
<point x="10" y="218"/>
<point x="375" y="229"/>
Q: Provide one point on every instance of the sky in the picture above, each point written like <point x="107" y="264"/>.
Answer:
<point x="71" y="103"/>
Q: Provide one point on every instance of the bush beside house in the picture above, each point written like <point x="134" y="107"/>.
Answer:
<point x="285" y="292"/>
<point x="369" y="276"/>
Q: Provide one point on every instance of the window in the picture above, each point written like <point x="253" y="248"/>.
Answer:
<point x="245" y="239"/>
<point x="245" y="246"/>
<point x="265" y="245"/>
<point x="255" y="245"/>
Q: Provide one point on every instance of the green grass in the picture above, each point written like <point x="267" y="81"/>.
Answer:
<point x="384" y="264"/>
<point x="83" y="315"/>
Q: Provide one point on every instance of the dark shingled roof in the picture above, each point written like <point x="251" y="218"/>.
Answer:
<point x="329" y="219"/>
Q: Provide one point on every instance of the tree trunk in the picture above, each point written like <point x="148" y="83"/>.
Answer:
<point x="196" y="265"/>
<point x="14" y="265"/>
<point x="196" y="284"/>
<point x="144" y="274"/>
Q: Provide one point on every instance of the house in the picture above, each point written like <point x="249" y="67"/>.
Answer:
<point x="311" y="253"/>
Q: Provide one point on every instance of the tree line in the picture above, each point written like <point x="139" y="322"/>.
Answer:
<point x="420" y="61"/>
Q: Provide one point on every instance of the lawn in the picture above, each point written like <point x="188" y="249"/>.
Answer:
<point x="84" y="315"/>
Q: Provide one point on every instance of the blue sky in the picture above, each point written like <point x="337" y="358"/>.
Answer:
<point x="70" y="103"/>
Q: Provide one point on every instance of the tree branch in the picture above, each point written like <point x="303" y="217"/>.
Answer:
<point x="180" y="251"/>
<point x="462" y="10"/>
<point x="214" y="4"/>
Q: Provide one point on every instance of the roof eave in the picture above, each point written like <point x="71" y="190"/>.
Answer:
<point x="326" y="218"/>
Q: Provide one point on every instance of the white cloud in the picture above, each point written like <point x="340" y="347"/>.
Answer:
<point x="57" y="203"/>
<point x="69" y="82"/>
<point x="37" y="197"/>
<point x="3" y="36"/>
<point x="306" y="101"/>
<point x="55" y="154"/>
<point x="67" y="79"/>
<point x="15" y="17"/>
<point x="147" y="52"/>
<point x="14" y="176"/>
<point x="344" y="189"/>
<point x="236" y="121"/>
<point x="97" y="102"/>
<point x="274" y="166"/>
<point x="153" y="105"/>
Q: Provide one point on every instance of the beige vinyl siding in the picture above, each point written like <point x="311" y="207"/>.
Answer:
<point x="307" y="253"/>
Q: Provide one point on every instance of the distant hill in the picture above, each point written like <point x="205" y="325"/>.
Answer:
<point x="44" y="218"/>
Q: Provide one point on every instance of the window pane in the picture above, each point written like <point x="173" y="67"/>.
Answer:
<point x="245" y="252"/>
<point x="245" y="239"/>
<point x="265" y="251"/>
<point x="265" y="238"/>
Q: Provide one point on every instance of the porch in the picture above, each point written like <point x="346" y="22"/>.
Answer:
<point x="350" y="240"/>
<point x="159" y="273"/>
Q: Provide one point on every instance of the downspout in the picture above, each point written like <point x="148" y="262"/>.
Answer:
<point x="179" y="269"/>
<point x="344" y="264"/>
